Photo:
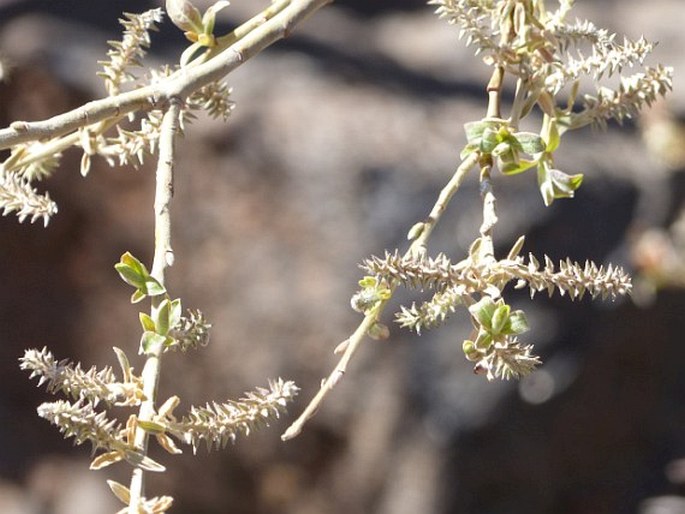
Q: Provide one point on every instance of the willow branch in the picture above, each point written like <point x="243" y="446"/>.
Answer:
<point x="163" y="258"/>
<point x="351" y="345"/>
<point x="178" y="85"/>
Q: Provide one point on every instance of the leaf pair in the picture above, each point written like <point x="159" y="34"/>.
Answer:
<point x="134" y="273"/>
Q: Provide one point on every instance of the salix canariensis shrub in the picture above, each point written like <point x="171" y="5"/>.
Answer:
<point x="145" y="110"/>
<point x="550" y="56"/>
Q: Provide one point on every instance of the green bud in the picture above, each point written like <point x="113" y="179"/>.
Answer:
<point x="470" y="351"/>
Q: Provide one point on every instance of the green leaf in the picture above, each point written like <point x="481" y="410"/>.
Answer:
<point x="130" y="275"/>
<point x="209" y="17"/>
<point x="474" y="131"/>
<point x="501" y="149"/>
<point x="555" y="183"/>
<point x="484" y="340"/>
<point x="551" y="135"/>
<point x="147" y="322"/>
<point x="153" y="287"/>
<point x="161" y="316"/>
<point x="518" y="323"/>
<point x="137" y="296"/>
<point x="131" y="261"/>
<point x="483" y="311"/>
<point x="150" y="340"/>
<point x="500" y="318"/>
<point x="514" y="168"/>
<point x="530" y="142"/>
<point x="176" y="312"/>
<point x="490" y="140"/>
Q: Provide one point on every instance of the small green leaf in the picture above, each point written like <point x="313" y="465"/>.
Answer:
<point x="137" y="296"/>
<point x="490" y="140"/>
<point x="555" y="183"/>
<point x="161" y="316"/>
<point x="530" y="142"/>
<point x="153" y="287"/>
<point x="474" y="131"/>
<point x="130" y="275"/>
<point x="551" y="135"/>
<point x="518" y="323"/>
<point x="484" y="340"/>
<point x="176" y="312"/>
<point x="209" y="17"/>
<point x="514" y="168"/>
<point x="501" y="149"/>
<point x="483" y="311"/>
<point x="131" y="261"/>
<point x="500" y="318"/>
<point x="147" y="322"/>
<point x="368" y="281"/>
<point x="150" y="340"/>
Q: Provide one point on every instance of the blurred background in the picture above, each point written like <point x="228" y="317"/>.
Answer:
<point x="342" y="136"/>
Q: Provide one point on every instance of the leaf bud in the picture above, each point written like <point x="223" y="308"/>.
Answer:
<point x="184" y="15"/>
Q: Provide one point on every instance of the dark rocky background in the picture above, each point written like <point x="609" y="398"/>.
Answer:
<point x="342" y="137"/>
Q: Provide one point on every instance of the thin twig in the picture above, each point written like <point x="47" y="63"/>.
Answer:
<point x="350" y="346"/>
<point x="487" y="251"/>
<point x="163" y="258"/>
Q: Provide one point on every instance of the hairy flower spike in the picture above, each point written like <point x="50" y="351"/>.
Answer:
<point x="131" y="146"/>
<point x="633" y="93"/>
<point x="439" y="273"/>
<point x="17" y="195"/>
<point x="217" y="424"/>
<point x="508" y="359"/>
<point x="130" y="50"/>
<point x="431" y="313"/>
<point x="213" y="98"/>
<point x="91" y="385"/>
<point x="191" y="332"/>
<point x="81" y="421"/>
